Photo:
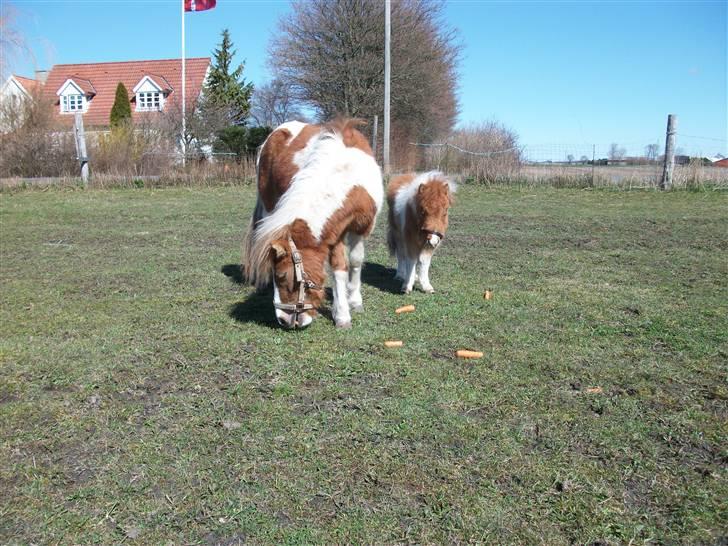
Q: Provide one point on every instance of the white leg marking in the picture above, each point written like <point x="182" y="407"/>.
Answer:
<point x="425" y="259"/>
<point x="340" y="312"/>
<point x="356" y="261"/>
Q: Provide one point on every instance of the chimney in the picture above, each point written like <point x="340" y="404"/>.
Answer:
<point x="41" y="75"/>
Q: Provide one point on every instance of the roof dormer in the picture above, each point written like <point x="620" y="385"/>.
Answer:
<point x="150" y="93"/>
<point x="75" y="94"/>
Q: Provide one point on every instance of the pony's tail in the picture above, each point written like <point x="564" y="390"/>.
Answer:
<point x="246" y="265"/>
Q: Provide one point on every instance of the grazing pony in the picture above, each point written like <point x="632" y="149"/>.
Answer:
<point x="418" y="216"/>
<point x="319" y="192"/>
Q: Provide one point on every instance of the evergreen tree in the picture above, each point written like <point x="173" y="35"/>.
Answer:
<point x="225" y="90"/>
<point x="121" y="110"/>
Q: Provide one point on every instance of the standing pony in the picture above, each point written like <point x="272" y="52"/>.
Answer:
<point x="418" y="217"/>
<point x="319" y="192"/>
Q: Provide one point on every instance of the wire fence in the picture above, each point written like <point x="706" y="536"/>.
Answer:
<point x="631" y="164"/>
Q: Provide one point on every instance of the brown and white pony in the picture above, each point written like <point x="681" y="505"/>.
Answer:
<point x="418" y="218"/>
<point x="319" y="192"/>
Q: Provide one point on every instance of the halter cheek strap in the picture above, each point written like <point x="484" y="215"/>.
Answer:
<point x="300" y="277"/>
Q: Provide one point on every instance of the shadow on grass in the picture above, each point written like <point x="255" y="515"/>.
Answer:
<point x="381" y="277"/>
<point x="234" y="272"/>
<point x="257" y="307"/>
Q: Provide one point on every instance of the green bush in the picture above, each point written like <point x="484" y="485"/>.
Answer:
<point x="240" y="141"/>
<point x="121" y="110"/>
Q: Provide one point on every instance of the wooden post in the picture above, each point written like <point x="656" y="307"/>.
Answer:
<point x="81" y="146"/>
<point x="594" y="157"/>
<point x="387" y="80"/>
<point x="374" y="136"/>
<point x="666" y="182"/>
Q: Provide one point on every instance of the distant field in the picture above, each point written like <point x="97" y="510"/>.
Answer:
<point x="630" y="175"/>
<point x="146" y="396"/>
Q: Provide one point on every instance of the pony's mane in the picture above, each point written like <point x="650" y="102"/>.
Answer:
<point x="258" y="266"/>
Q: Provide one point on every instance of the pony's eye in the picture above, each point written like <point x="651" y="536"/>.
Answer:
<point x="282" y="276"/>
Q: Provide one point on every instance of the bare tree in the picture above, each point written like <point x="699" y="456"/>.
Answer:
<point x="12" y="42"/>
<point x="201" y="124"/>
<point x="652" y="151"/>
<point x="274" y="103"/>
<point x="331" y="53"/>
<point x="570" y="158"/>
<point x="615" y="152"/>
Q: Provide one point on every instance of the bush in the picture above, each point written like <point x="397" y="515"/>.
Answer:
<point x="231" y="140"/>
<point x="240" y="141"/>
<point x="121" y="110"/>
<point x="35" y="145"/>
<point x="256" y="138"/>
<point x="486" y="152"/>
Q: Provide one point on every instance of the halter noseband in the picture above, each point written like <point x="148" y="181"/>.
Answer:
<point x="300" y="275"/>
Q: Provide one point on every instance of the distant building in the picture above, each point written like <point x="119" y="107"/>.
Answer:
<point x="13" y="94"/>
<point x="721" y="163"/>
<point x="90" y="88"/>
<point x="19" y="87"/>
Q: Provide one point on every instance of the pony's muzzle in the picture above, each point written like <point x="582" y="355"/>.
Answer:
<point x="293" y="321"/>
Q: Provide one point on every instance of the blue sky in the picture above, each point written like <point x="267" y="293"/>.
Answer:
<point x="563" y="75"/>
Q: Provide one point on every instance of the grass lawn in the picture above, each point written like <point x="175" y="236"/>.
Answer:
<point x="147" y="396"/>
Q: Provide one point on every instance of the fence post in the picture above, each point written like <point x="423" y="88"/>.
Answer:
<point x="594" y="159"/>
<point x="387" y="82"/>
<point x="374" y="136"/>
<point x="81" y="146"/>
<point x="666" y="182"/>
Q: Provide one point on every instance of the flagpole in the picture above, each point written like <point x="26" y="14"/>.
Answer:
<point x="184" y="90"/>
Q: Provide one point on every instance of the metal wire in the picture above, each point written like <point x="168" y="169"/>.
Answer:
<point x="459" y="149"/>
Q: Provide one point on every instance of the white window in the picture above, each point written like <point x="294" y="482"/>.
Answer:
<point x="149" y="100"/>
<point x="72" y="103"/>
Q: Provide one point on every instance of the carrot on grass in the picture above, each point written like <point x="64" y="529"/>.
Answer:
<point x="462" y="353"/>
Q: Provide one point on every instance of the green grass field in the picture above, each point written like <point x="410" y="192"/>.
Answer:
<point x="147" y="396"/>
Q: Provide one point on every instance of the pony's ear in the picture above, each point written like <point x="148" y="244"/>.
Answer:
<point x="277" y="250"/>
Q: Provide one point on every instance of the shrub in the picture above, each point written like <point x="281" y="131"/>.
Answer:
<point x="35" y="145"/>
<point x="485" y="152"/>
<point x="231" y="140"/>
<point x="121" y="110"/>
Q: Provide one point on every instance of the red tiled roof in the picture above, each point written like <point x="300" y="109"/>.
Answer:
<point x="86" y="86"/>
<point x="160" y="81"/>
<point x="29" y="84"/>
<point x="104" y="77"/>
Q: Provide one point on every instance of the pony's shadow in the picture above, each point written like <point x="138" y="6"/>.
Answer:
<point x="256" y="308"/>
<point x="381" y="277"/>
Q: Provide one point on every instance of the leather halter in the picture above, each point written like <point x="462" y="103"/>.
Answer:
<point x="300" y="277"/>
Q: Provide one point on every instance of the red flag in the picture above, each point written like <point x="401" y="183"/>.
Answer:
<point x="199" y="5"/>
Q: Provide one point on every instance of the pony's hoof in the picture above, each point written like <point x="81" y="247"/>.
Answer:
<point x="429" y="290"/>
<point x="343" y="325"/>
